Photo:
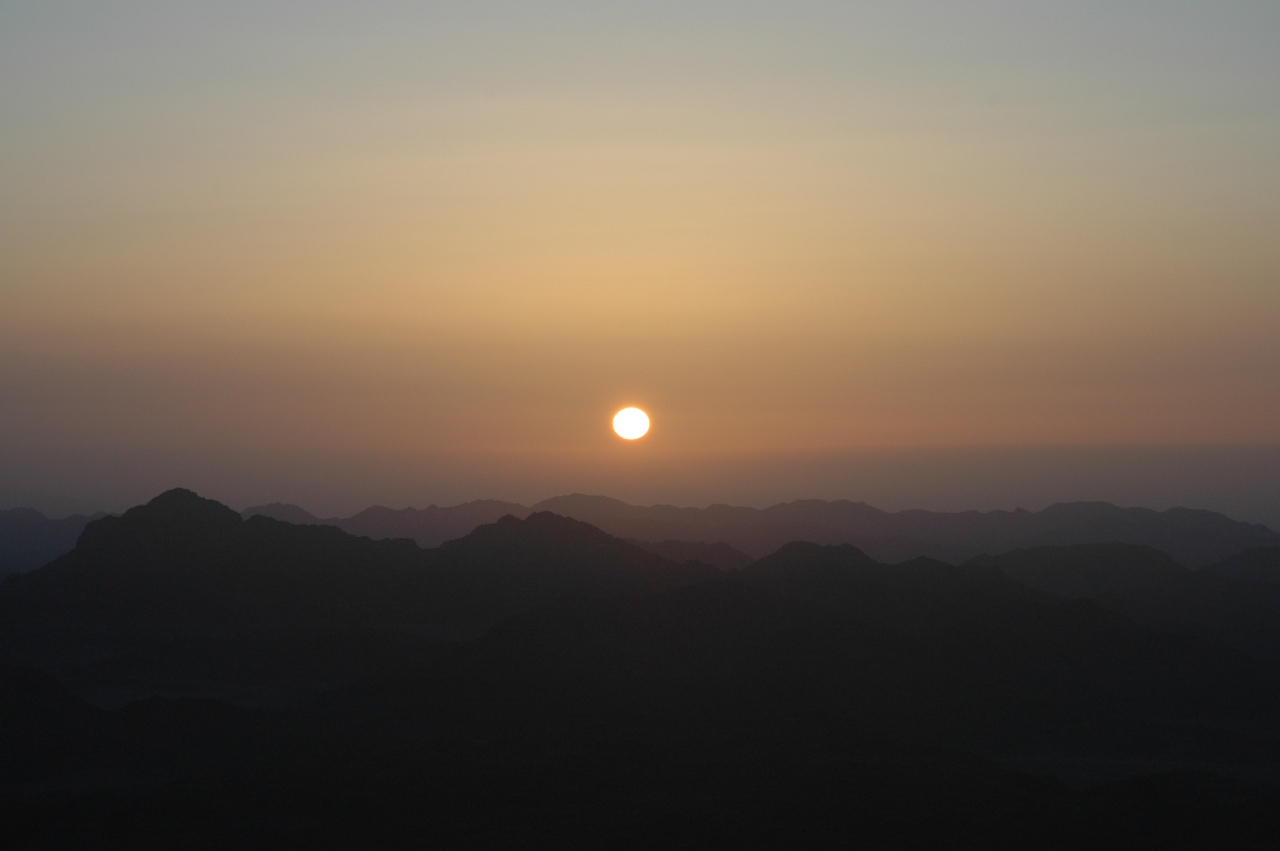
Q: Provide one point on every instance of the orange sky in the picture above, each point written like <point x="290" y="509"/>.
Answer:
<point x="474" y="232"/>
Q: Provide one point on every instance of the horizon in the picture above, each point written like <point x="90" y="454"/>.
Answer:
<point x="533" y="503"/>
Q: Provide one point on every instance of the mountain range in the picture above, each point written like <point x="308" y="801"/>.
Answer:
<point x="28" y="539"/>
<point x="189" y="677"/>
<point x="729" y="537"/>
<point x="1193" y="538"/>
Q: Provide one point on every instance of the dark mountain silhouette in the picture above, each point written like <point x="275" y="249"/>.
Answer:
<point x="247" y="595"/>
<point x="433" y="525"/>
<point x="430" y="526"/>
<point x="1193" y="538"/>
<point x="188" y="565"/>
<point x="854" y="652"/>
<point x="185" y="565"/>
<point x="1223" y="604"/>
<point x="920" y="593"/>
<point x="1260" y="565"/>
<point x="541" y="682"/>
<point x="748" y="696"/>
<point x="288" y="513"/>
<point x="712" y="535"/>
<point x="46" y="732"/>
<point x="28" y="539"/>
<point x="719" y="554"/>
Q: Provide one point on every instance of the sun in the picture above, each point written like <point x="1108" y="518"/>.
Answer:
<point x="631" y="423"/>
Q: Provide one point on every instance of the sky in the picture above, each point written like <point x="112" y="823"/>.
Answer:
<point x="942" y="255"/>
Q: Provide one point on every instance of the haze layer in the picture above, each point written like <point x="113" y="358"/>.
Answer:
<point x="391" y="234"/>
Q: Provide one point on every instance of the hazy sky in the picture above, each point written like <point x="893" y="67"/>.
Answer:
<point x="413" y="252"/>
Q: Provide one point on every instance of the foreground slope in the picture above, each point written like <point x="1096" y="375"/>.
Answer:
<point x="165" y="774"/>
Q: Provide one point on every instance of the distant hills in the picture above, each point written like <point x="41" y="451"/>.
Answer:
<point x="28" y="539"/>
<point x="728" y="536"/>
<point x="540" y="681"/>
<point x="430" y="526"/>
<point x="1192" y="538"/>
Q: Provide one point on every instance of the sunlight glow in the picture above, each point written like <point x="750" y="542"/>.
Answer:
<point x="631" y="423"/>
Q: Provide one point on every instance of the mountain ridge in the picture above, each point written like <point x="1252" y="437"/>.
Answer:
<point x="28" y="539"/>
<point x="251" y="676"/>
<point x="186" y="571"/>
<point x="1193" y="537"/>
<point x="720" y="532"/>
